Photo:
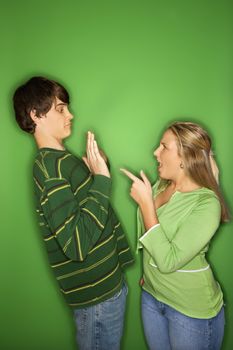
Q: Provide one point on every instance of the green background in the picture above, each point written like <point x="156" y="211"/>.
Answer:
<point x="131" y="67"/>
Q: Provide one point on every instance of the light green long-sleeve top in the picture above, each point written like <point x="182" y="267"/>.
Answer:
<point x="176" y="271"/>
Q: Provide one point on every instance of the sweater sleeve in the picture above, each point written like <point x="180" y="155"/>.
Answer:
<point x="76" y="226"/>
<point x="193" y="234"/>
<point x="140" y="224"/>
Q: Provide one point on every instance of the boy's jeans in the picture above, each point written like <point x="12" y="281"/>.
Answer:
<point x="101" y="326"/>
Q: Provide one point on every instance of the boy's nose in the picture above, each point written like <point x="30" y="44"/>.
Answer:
<point x="70" y="115"/>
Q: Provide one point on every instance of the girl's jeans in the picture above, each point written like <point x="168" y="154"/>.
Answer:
<point x="167" y="329"/>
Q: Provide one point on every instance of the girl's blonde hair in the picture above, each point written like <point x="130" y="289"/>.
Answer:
<point x="194" y="146"/>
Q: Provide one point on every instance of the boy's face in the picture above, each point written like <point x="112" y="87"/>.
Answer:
<point x="56" y="124"/>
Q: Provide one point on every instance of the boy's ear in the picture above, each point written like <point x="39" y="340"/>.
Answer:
<point x="34" y="116"/>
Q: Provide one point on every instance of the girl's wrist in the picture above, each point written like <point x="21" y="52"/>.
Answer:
<point x="149" y="214"/>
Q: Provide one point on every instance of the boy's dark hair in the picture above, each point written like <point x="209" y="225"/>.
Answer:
<point x="37" y="94"/>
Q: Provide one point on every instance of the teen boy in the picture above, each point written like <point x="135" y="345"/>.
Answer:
<point x="86" y="245"/>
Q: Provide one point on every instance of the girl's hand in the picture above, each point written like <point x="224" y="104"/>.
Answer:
<point x="141" y="281"/>
<point x="141" y="190"/>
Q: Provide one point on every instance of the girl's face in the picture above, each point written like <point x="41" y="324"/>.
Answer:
<point x="167" y="156"/>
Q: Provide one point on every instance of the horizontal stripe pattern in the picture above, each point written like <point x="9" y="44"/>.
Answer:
<point x="96" y="299"/>
<point x="86" y="245"/>
<point x="91" y="267"/>
<point x="93" y="283"/>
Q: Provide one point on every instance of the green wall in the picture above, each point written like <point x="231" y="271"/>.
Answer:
<point x="131" y="67"/>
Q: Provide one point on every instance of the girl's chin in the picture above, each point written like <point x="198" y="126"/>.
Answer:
<point x="162" y="176"/>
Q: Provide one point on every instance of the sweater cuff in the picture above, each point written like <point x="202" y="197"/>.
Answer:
<point x="145" y="234"/>
<point x="101" y="184"/>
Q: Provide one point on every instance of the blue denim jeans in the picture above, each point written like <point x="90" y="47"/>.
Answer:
<point x="101" y="326"/>
<point x="167" y="329"/>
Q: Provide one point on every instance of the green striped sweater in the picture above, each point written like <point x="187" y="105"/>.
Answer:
<point x="86" y="245"/>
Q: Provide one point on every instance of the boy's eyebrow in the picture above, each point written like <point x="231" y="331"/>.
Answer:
<point x="61" y="104"/>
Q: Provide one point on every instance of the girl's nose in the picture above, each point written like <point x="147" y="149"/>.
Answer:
<point x="156" y="152"/>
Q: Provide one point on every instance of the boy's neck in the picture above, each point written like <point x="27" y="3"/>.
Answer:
<point x="49" y="143"/>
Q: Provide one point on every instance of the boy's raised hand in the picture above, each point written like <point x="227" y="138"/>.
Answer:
<point x="93" y="159"/>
